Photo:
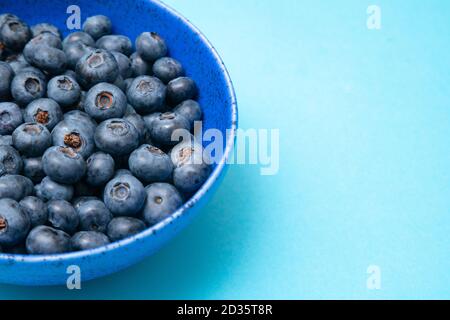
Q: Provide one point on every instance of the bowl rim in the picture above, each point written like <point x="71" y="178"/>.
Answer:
<point x="230" y="143"/>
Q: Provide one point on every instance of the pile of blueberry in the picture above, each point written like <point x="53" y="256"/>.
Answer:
<point x="87" y="155"/>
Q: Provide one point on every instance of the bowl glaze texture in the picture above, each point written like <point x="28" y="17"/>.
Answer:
<point x="202" y="63"/>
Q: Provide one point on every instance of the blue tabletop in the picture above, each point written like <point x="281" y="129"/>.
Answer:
<point x="363" y="187"/>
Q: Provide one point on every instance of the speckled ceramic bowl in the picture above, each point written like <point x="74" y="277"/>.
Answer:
<point x="202" y="63"/>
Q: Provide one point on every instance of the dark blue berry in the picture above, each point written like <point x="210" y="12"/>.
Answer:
<point x="14" y="223"/>
<point x="46" y="39"/>
<point x="124" y="195"/>
<point x="27" y="86"/>
<point x="17" y="63"/>
<point x="36" y="210"/>
<point x="10" y="117"/>
<point x="97" y="26"/>
<point x="167" y="69"/>
<point x="51" y="190"/>
<point x="77" y="202"/>
<point x="63" y="165"/>
<point x="47" y="240"/>
<point x="41" y="28"/>
<point x="105" y="101"/>
<point x="139" y="67"/>
<point x="150" y="164"/>
<point x="124" y="64"/>
<point x="123" y="227"/>
<point x="15" y="187"/>
<point x="163" y="128"/>
<point x="79" y="36"/>
<point x="81" y="117"/>
<point x="117" y="43"/>
<point x="181" y="89"/>
<point x="65" y="90"/>
<point x="14" y="34"/>
<point x="31" y="139"/>
<point x="138" y="122"/>
<point x="77" y="135"/>
<point x="32" y="169"/>
<point x="96" y="67"/>
<point x="49" y="59"/>
<point x="44" y="111"/>
<point x="146" y="94"/>
<point x="62" y="216"/>
<point x="117" y="137"/>
<point x="75" y="51"/>
<point x="94" y="216"/>
<point x="100" y="169"/>
<point x="191" y="110"/>
<point x="10" y="160"/>
<point x="163" y="199"/>
<point x="86" y="240"/>
<point x="150" y="46"/>
<point x="6" y="141"/>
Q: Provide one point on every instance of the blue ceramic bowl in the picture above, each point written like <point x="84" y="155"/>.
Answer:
<point x="202" y="63"/>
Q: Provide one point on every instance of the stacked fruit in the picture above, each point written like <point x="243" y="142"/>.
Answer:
<point x="87" y="154"/>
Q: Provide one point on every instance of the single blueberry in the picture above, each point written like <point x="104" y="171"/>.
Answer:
<point x="65" y="90"/>
<point x="162" y="200"/>
<point x="77" y="135"/>
<point x="44" y="111"/>
<point x="49" y="59"/>
<point x="117" y="137"/>
<point x="63" y="165"/>
<point x="10" y="160"/>
<point x="62" y="216"/>
<point x="94" y="216"/>
<point x="77" y="202"/>
<point x="15" y="187"/>
<point x="97" y="26"/>
<point x="14" y="34"/>
<point x="41" y="28"/>
<point x="117" y="43"/>
<point x="100" y="169"/>
<point x="124" y="64"/>
<point x="27" y="86"/>
<point x="123" y="227"/>
<point x="14" y="223"/>
<point x="6" y="77"/>
<point x="181" y="89"/>
<point x="124" y="195"/>
<point x="79" y="36"/>
<point x="105" y="101"/>
<point x="31" y="139"/>
<point x="150" y="46"/>
<point x="51" y="190"/>
<point x="47" y="240"/>
<point x="32" y="169"/>
<point x="96" y="67"/>
<point x="10" y="117"/>
<point x="36" y="210"/>
<point x="167" y="69"/>
<point x="139" y="67"/>
<point x="46" y="39"/>
<point x="150" y="164"/>
<point x="86" y="240"/>
<point x="164" y="128"/>
<point x="146" y="94"/>
<point x="191" y="110"/>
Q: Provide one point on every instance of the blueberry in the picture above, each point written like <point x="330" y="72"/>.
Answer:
<point x="6" y="141"/>
<point x="62" y="216"/>
<point x="86" y="240"/>
<point x="10" y="117"/>
<point x="100" y="169"/>
<point x="124" y="227"/>
<point x="27" y="86"/>
<point x="31" y="139"/>
<point x="41" y="28"/>
<point x="44" y="111"/>
<point x="47" y="240"/>
<point x="49" y="59"/>
<point x="164" y="126"/>
<point x="75" y="51"/>
<point x="124" y="64"/>
<point x="77" y="202"/>
<point x="81" y="117"/>
<point x="76" y="135"/>
<point x="122" y="172"/>
<point x="10" y="160"/>
<point x="124" y="195"/>
<point x="35" y="209"/>
<point x="163" y="199"/>
<point x="138" y="122"/>
<point x="117" y="137"/>
<point x="105" y="101"/>
<point x="150" y="164"/>
<point x="51" y="190"/>
<point x="146" y="94"/>
<point x="139" y="67"/>
<point x="14" y="223"/>
<point x="117" y="43"/>
<point x="46" y="39"/>
<point x="94" y="216"/>
<point x="167" y="69"/>
<point x="65" y="90"/>
<point x="32" y="169"/>
<point x="181" y="89"/>
<point x="97" y="26"/>
<point x="191" y="110"/>
<point x="79" y="36"/>
<point x="15" y="187"/>
<point x="150" y="46"/>
<point x="17" y="63"/>
<point x="96" y="67"/>
<point x="63" y="165"/>
<point x="14" y="34"/>
<point x="6" y="76"/>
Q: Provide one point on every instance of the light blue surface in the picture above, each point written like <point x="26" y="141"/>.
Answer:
<point x="364" y="118"/>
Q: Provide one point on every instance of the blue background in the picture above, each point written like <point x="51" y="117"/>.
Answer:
<point x="364" y="119"/>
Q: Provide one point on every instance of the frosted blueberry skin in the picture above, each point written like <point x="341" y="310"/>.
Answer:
<point x="86" y="240"/>
<point x="124" y="196"/>
<point x="46" y="39"/>
<point x="77" y="135"/>
<point x="94" y="216"/>
<point x="118" y="137"/>
<point x="6" y="140"/>
<point x="124" y="64"/>
<point x="146" y="94"/>
<point x="7" y="17"/>
<point x="150" y="46"/>
<point x="163" y="127"/>
<point x="10" y="160"/>
<point x="97" y="26"/>
<point x="79" y="36"/>
<point x="63" y="165"/>
<point x="14" y="223"/>
<point x="6" y="76"/>
<point x="191" y="110"/>
<point x="51" y="190"/>
<point x="105" y="101"/>
<point x="117" y="43"/>
<point x="47" y="240"/>
<point x="62" y="216"/>
<point x="27" y="86"/>
<point x="50" y="59"/>
<point x="138" y="122"/>
<point x="167" y="69"/>
<point x="77" y="202"/>
<point x="150" y="164"/>
<point x="41" y="28"/>
<point x="44" y="111"/>
<point x="65" y="90"/>
<point x="162" y="200"/>
<point x="14" y="34"/>
<point x="100" y="169"/>
<point x="15" y="187"/>
<point x="36" y="209"/>
<point x="181" y="89"/>
<point x="78" y="116"/>
<point x="139" y="67"/>
<point x="96" y="67"/>
<point x="10" y="117"/>
<point x="17" y="62"/>
<point x="123" y="227"/>
<point x="75" y="51"/>
<point x="31" y="139"/>
<point x="33" y="169"/>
